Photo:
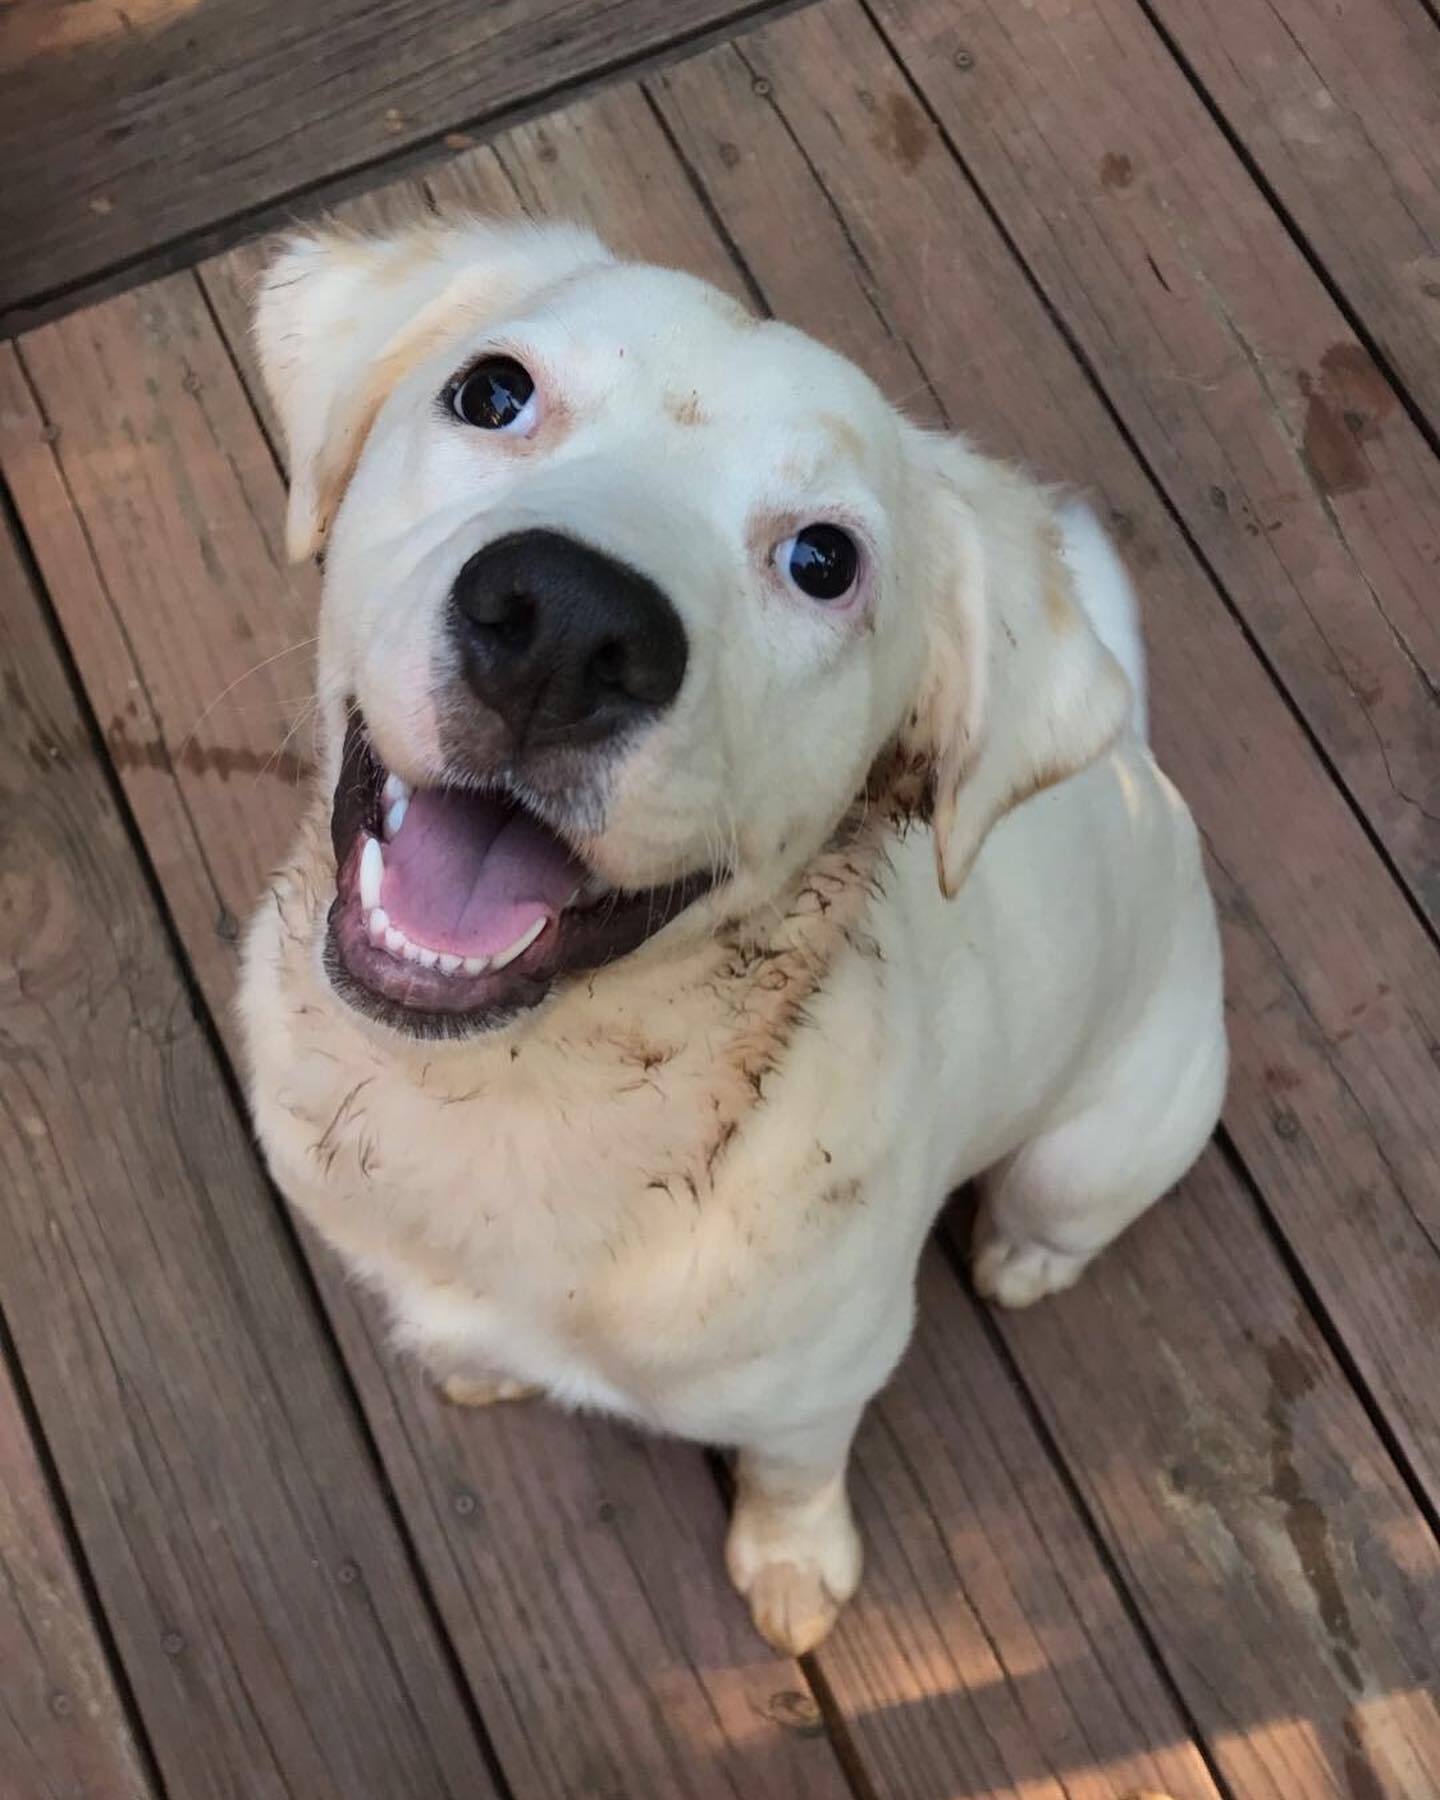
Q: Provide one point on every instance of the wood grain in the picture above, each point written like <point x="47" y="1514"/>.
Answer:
<point x="155" y="513"/>
<point x="1275" y="437"/>
<point x="229" y="1512"/>
<point x="135" y="132"/>
<point x="63" y="1731"/>
<point x="548" y="1624"/>
<point x="1336" y="1077"/>
<point x="1282" y="1567"/>
<point x="1339" y="106"/>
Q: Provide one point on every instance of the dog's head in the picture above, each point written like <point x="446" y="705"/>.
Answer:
<point x="627" y="592"/>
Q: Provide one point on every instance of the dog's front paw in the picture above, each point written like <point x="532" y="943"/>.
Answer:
<point x="796" y="1566"/>
<point x="483" y="1390"/>
<point x="1018" y="1273"/>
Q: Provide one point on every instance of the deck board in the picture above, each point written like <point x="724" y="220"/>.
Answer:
<point x="63" y="1729"/>
<point x="128" y="129"/>
<point x="233" y="1522"/>
<point x="1338" y="106"/>
<point x="1276" y="439"/>
<point x="1149" y="1538"/>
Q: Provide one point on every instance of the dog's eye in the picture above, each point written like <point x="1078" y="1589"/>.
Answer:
<point x="496" y="395"/>
<point x="821" y="560"/>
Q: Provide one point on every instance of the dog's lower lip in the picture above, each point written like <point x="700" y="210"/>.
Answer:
<point x="435" y="987"/>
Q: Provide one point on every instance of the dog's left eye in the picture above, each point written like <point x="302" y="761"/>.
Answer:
<point x="821" y="560"/>
<point x="496" y="395"/>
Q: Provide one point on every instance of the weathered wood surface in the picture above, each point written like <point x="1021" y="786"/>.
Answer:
<point x="63" y="1731"/>
<point x="1335" y="987"/>
<point x="575" y="1496"/>
<point x="1272" y="1561"/>
<point x="1272" y="433"/>
<point x="1339" y="108"/>
<point x="126" y="129"/>
<point x="230" y="1513"/>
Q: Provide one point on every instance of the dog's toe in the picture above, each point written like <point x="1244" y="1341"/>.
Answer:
<point x="486" y="1390"/>
<point x="796" y="1568"/>
<point x="792" y="1608"/>
<point x="1018" y="1274"/>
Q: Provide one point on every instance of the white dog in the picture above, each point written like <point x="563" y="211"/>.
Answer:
<point x="610" y="1018"/>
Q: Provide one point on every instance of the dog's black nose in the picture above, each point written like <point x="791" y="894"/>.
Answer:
<point x="563" y="642"/>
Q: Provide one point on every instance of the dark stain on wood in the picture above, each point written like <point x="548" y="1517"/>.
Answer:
<point x="902" y="136"/>
<point x="1345" y="404"/>
<point x="1116" y="170"/>
<point x="224" y="760"/>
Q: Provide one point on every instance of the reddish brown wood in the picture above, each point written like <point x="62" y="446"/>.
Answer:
<point x="1340" y="108"/>
<point x="63" y="1731"/>
<point x="234" y="1524"/>
<point x="1284" y="449"/>
<point x="128" y="129"/>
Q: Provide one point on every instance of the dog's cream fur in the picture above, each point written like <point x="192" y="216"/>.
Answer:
<point x="692" y="1188"/>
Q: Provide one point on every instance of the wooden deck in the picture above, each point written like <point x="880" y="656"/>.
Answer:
<point x="1175" y="1532"/>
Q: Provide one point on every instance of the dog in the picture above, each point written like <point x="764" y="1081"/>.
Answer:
<point x="735" y="830"/>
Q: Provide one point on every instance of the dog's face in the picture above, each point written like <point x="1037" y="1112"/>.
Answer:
<point x="626" y="591"/>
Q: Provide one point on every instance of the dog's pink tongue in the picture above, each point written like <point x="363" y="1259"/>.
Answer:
<point x="467" y="875"/>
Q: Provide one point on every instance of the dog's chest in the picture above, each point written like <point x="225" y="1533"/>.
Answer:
<point x="583" y="1197"/>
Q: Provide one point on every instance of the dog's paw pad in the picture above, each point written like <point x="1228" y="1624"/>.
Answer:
<point x="1019" y="1274"/>
<point x="470" y="1390"/>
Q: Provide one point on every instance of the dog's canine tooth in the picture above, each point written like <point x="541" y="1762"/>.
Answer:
<point x="476" y="965"/>
<point x="372" y="873"/>
<point x="449" y="964"/>
<point x="395" y="818"/>
<point x="377" y="924"/>
<point x="395" y="789"/>
<point x="520" y="946"/>
<point x="396" y="941"/>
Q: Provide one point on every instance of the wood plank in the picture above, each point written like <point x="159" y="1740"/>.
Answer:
<point x="1336" y="1020"/>
<point x="1339" y="106"/>
<point x="229" y="1512"/>
<point x="1247" y="1499"/>
<point x="1102" y="1725"/>
<point x="123" y="134"/>
<point x="63" y="1731"/>
<point x="786" y="129"/>
<point x="1277" y="440"/>
<point x="584" y="1594"/>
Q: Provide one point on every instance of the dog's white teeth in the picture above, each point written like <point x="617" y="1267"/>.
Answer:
<point x="476" y="965"/>
<point x="395" y="818"/>
<point x="372" y="873"/>
<point x="394" y="789"/>
<point x="427" y="959"/>
<point x="377" y="924"/>
<point x="396" y="941"/>
<point x="449" y="964"/>
<point x="520" y="946"/>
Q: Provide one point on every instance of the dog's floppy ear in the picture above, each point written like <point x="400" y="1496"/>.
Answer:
<point x="1018" y="691"/>
<point x="341" y="317"/>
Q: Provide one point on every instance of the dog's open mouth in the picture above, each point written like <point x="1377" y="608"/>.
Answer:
<point x="455" y="909"/>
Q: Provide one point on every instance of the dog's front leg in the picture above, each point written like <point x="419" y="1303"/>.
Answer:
<point x="793" y="1550"/>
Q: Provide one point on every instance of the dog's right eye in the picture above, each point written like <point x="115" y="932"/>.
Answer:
<point x="496" y="395"/>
